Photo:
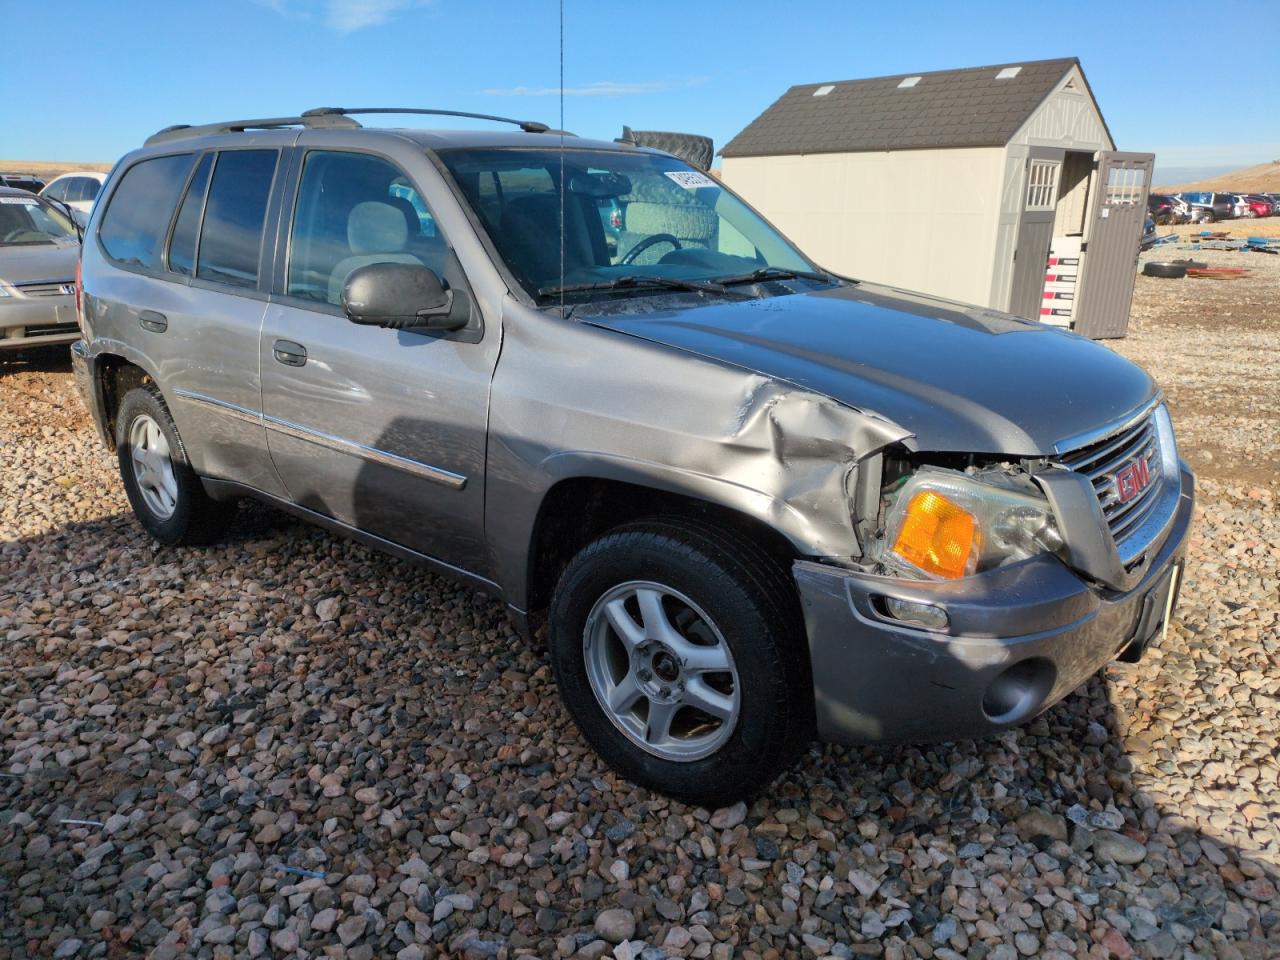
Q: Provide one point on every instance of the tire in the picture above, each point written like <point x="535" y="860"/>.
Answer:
<point x="1169" y="271"/>
<point x="170" y="503"/>
<point x="697" y="151"/>
<point x="729" y="602"/>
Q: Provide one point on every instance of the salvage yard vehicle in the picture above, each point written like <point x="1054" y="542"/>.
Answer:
<point x="77" y="190"/>
<point x="39" y="246"/>
<point x="753" y="502"/>
<point x="22" y="181"/>
<point x="1208" y="207"/>
<point x="1164" y="209"/>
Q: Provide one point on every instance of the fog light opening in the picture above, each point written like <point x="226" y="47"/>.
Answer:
<point x="914" y="612"/>
<point x="1019" y="691"/>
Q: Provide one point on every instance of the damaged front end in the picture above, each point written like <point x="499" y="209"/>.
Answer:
<point x="946" y="522"/>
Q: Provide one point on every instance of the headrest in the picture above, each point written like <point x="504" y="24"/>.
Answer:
<point x="376" y="227"/>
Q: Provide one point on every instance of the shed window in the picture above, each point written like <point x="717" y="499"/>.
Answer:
<point x="1042" y="185"/>
<point x="1124" y="187"/>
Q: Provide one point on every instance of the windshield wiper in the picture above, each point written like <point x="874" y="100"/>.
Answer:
<point x="634" y="281"/>
<point x="770" y="273"/>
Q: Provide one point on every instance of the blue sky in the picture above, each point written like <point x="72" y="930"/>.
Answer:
<point x="96" y="78"/>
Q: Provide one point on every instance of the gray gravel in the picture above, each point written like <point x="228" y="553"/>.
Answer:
<point x="289" y="745"/>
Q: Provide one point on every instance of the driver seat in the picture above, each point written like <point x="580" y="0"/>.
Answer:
<point x="531" y="228"/>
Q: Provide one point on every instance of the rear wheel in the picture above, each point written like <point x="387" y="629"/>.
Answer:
<point x="679" y="653"/>
<point x="165" y="493"/>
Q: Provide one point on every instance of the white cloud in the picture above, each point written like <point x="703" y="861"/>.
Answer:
<point x="602" y="88"/>
<point x="348" y="15"/>
<point x="343" y="16"/>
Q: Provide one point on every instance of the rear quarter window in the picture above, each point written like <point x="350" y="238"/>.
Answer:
<point x="137" y="217"/>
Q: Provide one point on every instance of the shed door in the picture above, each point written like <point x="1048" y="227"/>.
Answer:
<point x="1116" y="216"/>
<point x="1035" y="229"/>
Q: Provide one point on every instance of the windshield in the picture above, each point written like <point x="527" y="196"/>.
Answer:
<point x="32" y="220"/>
<point x="625" y="215"/>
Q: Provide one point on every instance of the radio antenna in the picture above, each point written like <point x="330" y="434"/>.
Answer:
<point x="563" y="185"/>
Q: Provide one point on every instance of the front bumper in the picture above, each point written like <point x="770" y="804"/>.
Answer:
<point x="37" y="321"/>
<point x="1020" y="639"/>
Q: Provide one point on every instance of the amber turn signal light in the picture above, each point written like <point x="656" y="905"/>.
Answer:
<point x="938" y="536"/>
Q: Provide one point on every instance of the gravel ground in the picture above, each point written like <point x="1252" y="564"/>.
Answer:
<point x="290" y="745"/>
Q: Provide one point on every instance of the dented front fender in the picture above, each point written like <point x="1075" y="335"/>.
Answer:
<point x="572" y="400"/>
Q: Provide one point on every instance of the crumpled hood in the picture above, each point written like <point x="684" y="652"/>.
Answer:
<point x="959" y="378"/>
<point x="29" y="263"/>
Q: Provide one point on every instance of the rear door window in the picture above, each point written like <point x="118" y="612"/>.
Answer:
<point x="81" y="189"/>
<point x="137" y="218"/>
<point x="182" y="248"/>
<point x="231" y="235"/>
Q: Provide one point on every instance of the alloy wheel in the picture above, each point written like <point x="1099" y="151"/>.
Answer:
<point x="153" y="467"/>
<point x="661" y="670"/>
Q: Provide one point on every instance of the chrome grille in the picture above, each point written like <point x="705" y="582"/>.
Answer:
<point x="1102" y="460"/>
<point x="48" y="288"/>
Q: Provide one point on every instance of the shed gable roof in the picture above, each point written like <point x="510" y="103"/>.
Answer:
<point x="945" y="108"/>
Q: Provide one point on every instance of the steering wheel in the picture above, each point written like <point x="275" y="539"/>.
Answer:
<point x="646" y="243"/>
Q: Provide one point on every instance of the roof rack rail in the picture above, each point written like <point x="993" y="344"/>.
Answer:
<point x="185" y="131"/>
<point x="528" y="126"/>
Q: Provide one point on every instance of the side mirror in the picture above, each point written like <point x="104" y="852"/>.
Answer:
<point x="400" y="296"/>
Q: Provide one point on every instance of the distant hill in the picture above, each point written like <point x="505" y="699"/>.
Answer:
<point x="48" y="169"/>
<point x="1264" y="178"/>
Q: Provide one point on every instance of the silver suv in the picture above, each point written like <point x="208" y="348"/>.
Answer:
<point x="754" y="502"/>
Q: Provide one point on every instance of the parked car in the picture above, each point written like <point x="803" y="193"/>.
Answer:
<point x="1187" y="213"/>
<point x="1149" y="235"/>
<point x="77" y="190"/>
<point x="1258" y="205"/>
<point x="1163" y="208"/>
<point x="1207" y="206"/>
<point x="22" y="181"/>
<point x="753" y="501"/>
<point x="1240" y="205"/>
<point x="39" y="246"/>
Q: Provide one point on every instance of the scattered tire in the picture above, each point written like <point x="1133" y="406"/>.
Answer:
<point x="679" y="652"/>
<point x="165" y="493"/>
<point x="698" y="151"/>
<point x="1169" y="271"/>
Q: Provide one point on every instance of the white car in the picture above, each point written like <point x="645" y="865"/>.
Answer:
<point x="77" y="190"/>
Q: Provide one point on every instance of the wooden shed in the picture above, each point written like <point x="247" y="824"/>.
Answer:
<point x="998" y="186"/>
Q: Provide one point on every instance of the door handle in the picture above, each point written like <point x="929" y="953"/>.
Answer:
<point x="153" y="320"/>
<point x="289" y="353"/>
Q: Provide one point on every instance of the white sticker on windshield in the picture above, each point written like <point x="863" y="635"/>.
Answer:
<point x="23" y="201"/>
<point x="691" y="179"/>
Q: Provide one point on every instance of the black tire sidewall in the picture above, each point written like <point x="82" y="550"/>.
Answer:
<point x="766" y="728"/>
<point x="168" y="530"/>
<point x="1166" y="271"/>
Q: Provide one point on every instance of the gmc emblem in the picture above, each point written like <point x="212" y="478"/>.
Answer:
<point x="1132" y="479"/>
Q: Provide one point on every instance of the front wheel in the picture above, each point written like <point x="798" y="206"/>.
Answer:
<point x="165" y="493"/>
<point x="679" y="652"/>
